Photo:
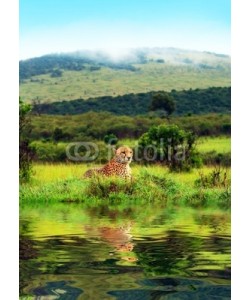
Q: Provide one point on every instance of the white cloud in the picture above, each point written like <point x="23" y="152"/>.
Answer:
<point x="122" y="35"/>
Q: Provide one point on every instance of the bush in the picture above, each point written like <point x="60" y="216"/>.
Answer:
<point x="60" y="135"/>
<point x="102" y="187"/>
<point x="226" y="128"/>
<point x="50" y="152"/>
<point x="56" y="73"/>
<point x="110" y="139"/>
<point x="170" y="145"/>
<point x="214" y="158"/>
<point x="26" y="155"/>
<point x="26" y="152"/>
<point x="216" y="178"/>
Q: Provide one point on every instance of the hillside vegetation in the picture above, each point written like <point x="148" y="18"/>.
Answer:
<point x="88" y="75"/>
<point x="93" y="125"/>
<point x="197" y="101"/>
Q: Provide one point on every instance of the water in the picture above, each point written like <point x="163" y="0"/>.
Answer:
<point x="118" y="251"/>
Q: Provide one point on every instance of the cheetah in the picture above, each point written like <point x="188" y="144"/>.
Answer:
<point x="118" y="166"/>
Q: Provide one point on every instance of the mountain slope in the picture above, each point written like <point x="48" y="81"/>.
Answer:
<point x="95" y="74"/>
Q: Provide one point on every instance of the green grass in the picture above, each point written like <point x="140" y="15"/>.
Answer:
<point x="219" y="144"/>
<point x="109" y="82"/>
<point x="57" y="183"/>
<point x="51" y="173"/>
<point x="65" y="182"/>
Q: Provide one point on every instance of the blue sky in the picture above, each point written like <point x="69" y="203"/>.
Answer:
<point x="62" y="26"/>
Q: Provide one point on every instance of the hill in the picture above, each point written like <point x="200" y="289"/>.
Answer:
<point x="198" y="101"/>
<point x="95" y="74"/>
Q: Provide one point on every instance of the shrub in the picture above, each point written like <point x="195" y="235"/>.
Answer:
<point x="56" y="73"/>
<point x="171" y="145"/>
<point x="214" y="158"/>
<point x="102" y="187"/>
<point x="226" y="128"/>
<point x="26" y="152"/>
<point x="60" y="135"/>
<point x="50" y="152"/>
<point x="216" y="178"/>
<point x="110" y="139"/>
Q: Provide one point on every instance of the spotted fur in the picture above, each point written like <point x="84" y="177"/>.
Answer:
<point x="118" y="166"/>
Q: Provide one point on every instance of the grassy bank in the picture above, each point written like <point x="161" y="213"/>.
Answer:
<point x="64" y="183"/>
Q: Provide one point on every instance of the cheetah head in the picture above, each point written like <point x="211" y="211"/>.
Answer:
<point x="123" y="155"/>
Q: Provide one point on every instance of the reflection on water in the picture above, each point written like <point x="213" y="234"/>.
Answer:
<point x="119" y="251"/>
<point x="58" y="290"/>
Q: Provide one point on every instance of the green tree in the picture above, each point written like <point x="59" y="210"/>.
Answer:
<point x="171" y="145"/>
<point x="163" y="101"/>
<point x="56" y="73"/>
<point x="58" y="135"/>
<point x="36" y="106"/>
<point x="26" y="152"/>
<point x="110" y="139"/>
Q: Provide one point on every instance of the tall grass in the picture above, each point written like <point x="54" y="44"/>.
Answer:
<point x="64" y="183"/>
<point x="221" y="144"/>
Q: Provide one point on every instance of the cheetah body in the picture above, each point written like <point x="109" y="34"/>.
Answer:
<point x="118" y="166"/>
